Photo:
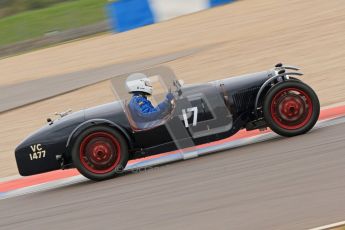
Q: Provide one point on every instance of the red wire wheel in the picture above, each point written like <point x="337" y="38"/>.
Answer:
<point x="100" y="153"/>
<point x="291" y="108"/>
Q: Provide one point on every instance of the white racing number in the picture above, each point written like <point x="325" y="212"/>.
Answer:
<point x="37" y="152"/>
<point x="195" y="116"/>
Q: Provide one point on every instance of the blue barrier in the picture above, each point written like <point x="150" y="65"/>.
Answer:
<point x="129" y="14"/>
<point x="214" y="3"/>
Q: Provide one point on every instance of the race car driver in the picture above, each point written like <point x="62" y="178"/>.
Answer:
<point x="140" y="86"/>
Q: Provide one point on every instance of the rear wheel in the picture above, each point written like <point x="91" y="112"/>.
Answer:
<point x="100" y="153"/>
<point x="291" y="108"/>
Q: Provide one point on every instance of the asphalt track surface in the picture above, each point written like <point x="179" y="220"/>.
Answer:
<point x="285" y="183"/>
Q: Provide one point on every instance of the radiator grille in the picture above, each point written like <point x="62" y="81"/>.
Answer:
<point x="245" y="99"/>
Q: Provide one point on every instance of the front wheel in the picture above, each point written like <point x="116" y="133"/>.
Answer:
<point x="291" y="108"/>
<point x="100" y="153"/>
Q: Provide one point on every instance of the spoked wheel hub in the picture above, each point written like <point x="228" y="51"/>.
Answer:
<point x="100" y="152"/>
<point x="291" y="108"/>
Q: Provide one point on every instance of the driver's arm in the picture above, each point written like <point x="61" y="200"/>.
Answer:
<point x="149" y="112"/>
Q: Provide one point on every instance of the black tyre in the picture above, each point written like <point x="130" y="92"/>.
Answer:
<point x="291" y="108"/>
<point x="100" y="153"/>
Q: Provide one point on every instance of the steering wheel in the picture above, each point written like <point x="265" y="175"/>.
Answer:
<point x="178" y="87"/>
<point x="177" y="92"/>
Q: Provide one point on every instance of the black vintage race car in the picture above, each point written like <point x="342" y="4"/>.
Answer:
<point x="99" y="141"/>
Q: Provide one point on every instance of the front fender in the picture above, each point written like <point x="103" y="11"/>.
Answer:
<point x="89" y="123"/>
<point x="266" y="85"/>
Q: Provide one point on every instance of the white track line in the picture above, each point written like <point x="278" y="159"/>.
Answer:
<point x="330" y="226"/>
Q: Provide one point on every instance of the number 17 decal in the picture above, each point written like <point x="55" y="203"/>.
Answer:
<point x="195" y="116"/>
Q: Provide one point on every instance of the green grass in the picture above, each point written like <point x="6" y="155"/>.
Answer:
<point x="63" y="16"/>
